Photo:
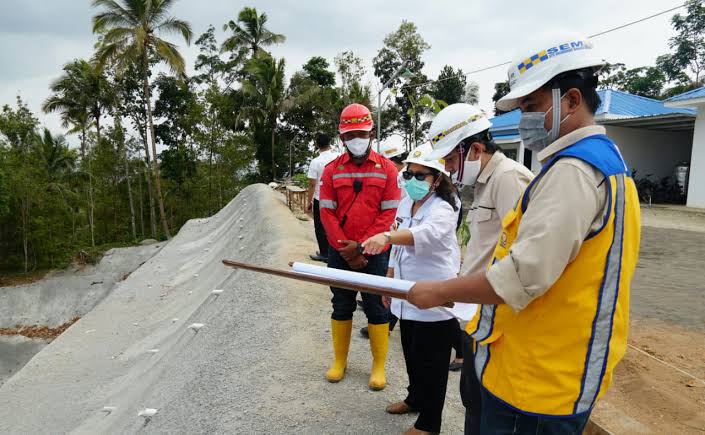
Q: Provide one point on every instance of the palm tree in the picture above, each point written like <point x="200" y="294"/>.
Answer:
<point x="130" y="30"/>
<point x="250" y="32"/>
<point x="80" y="93"/>
<point x="265" y="85"/>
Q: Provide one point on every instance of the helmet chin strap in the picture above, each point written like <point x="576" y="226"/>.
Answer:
<point x="556" y="126"/>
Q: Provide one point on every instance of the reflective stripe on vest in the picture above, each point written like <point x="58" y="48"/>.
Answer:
<point x="388" y="205"/>
<point x="360" y="175"/>
<point x="328" y="203"/>
<point x="598" y="349"/>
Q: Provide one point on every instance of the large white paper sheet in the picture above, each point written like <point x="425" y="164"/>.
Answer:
<point x="462" y="311"/>
<point x="354" y="277"/>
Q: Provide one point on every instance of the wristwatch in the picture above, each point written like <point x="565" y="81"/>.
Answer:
<point x="388" y="236"/>
<point x="360" y="249"/>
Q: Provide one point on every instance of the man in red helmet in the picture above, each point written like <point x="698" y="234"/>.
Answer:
<point x="359" y="198"/>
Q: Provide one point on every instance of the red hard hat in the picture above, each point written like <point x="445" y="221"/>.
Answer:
<point x="355" y="117"/>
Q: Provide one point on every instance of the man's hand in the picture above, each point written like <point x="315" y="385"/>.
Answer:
<point x="310" y="206"/>
<point x="349" y="251"/>
<point x="427" y="294"/>
<point x="358" y="262"/>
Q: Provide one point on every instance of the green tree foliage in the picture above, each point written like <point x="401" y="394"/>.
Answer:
<point x="317" y="70"/>
<point x="351" y="70"/>
<point x="129" y="30"/>
<point x="643" y="81"/>
<point x="404" y="44"/>
<point x="449" y="86"/>
<point x="500" y="90"/>
<point x="265" y="87"/>
<point x="689" y="43"/>
<point x="250" y="32"/>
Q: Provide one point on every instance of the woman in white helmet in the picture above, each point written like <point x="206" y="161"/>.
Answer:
<point x="460" y="134"/>
<point x="424" y="245"/>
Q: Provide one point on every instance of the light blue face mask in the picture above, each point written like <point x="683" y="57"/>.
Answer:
<point x="416" y="189"/>
<point x="531" y="125"/>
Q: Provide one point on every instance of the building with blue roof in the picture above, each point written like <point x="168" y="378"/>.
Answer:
<point x="654" y="137"/>
<point x="694" y="100"/>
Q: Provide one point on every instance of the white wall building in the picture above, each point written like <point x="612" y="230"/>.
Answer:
<point x="696" y="188"/>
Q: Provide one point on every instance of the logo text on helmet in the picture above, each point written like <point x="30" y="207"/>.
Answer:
<point x="548" y="53"/>
<point x="356" y="120"/>
<point x="435" y="139"/>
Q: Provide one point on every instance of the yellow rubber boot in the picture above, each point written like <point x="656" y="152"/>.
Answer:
<point x="341" y="330"/>
<point x="379" y="343"/>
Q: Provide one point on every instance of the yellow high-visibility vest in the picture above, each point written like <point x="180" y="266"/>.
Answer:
<point x="556" y="356"/>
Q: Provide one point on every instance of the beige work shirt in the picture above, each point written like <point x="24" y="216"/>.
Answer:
<point x="565" y="206"/>
<point x="497" y="190"/>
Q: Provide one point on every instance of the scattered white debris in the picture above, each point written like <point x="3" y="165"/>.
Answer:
<point x="195" y="275"/>
<point x="242" y="247"/>
<point x="200" y="261"/>
<point x="190" y="292"/>
<point x="147" y="413"/>
<point x="108" y="409"/>
<point x="206" y="249"/>
<point x="240" y="237"/>
<point x="174" y="320"/>
<point x="217" y="292"/>
<point x="135" y="324"/>
<point x="195" y="326"/>
<point x="149" y="285"/>
<point x="153" y="351"/>
<point x="89" y="331"/>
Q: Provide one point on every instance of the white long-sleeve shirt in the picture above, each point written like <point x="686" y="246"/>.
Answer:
<point x="434" y="255"/>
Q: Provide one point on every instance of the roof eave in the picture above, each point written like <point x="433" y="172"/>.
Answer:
<point x="685" y="103"/>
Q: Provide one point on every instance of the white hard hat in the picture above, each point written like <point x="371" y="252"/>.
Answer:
<point x="453" y="124"/>
<point x="420" y="156"/>
<point x="535" y="68"/>
<point x="390" y="150"/>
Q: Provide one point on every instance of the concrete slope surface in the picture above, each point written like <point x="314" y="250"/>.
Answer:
<point x="58" y="299"/>
<point x="255" y="366"/>
<point x="63" y="295"/>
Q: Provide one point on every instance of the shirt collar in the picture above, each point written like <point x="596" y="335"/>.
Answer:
<point x="569" y="139"/>
<point x="490" y="167"/>
<point x="372" y="156"/>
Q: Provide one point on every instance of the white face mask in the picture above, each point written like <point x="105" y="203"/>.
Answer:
<point x="471" y="170"/>
<point x="358" y="146"/>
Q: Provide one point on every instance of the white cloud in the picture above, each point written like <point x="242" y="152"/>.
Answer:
<point x="39" y="36"/>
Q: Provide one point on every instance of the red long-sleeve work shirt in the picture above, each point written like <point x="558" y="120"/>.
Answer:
<point x="347" y="215"/>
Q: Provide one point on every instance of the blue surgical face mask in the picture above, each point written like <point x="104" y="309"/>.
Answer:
<point x="531" y="125"/>
<point x="416" y="189"/>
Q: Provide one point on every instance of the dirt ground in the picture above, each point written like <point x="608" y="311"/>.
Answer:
<point x="668" y="322"/>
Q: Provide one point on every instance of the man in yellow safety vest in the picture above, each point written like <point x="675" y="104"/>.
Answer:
<point x="555" y="296"/>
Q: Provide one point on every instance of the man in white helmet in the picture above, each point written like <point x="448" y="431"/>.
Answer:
<point x="555" y="313"/>
<point x="460" y="135"/>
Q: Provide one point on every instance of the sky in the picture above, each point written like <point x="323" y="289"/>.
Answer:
<point x="37" y="37"/>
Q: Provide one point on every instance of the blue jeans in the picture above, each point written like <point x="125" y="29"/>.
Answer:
<point x="500" y="419"/>
<point x="344" y="303"/>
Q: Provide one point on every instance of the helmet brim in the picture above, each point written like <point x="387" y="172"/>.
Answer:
<point x="345" y="130"/>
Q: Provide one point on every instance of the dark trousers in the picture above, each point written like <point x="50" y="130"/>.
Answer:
<point x="426" y="348"/>
<point x="320" y="231"/>
<point x="458" y="341"/>
<point x="500" y="419"/>
<point x="470" y="388"/>
<point x="344" y="303"/>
